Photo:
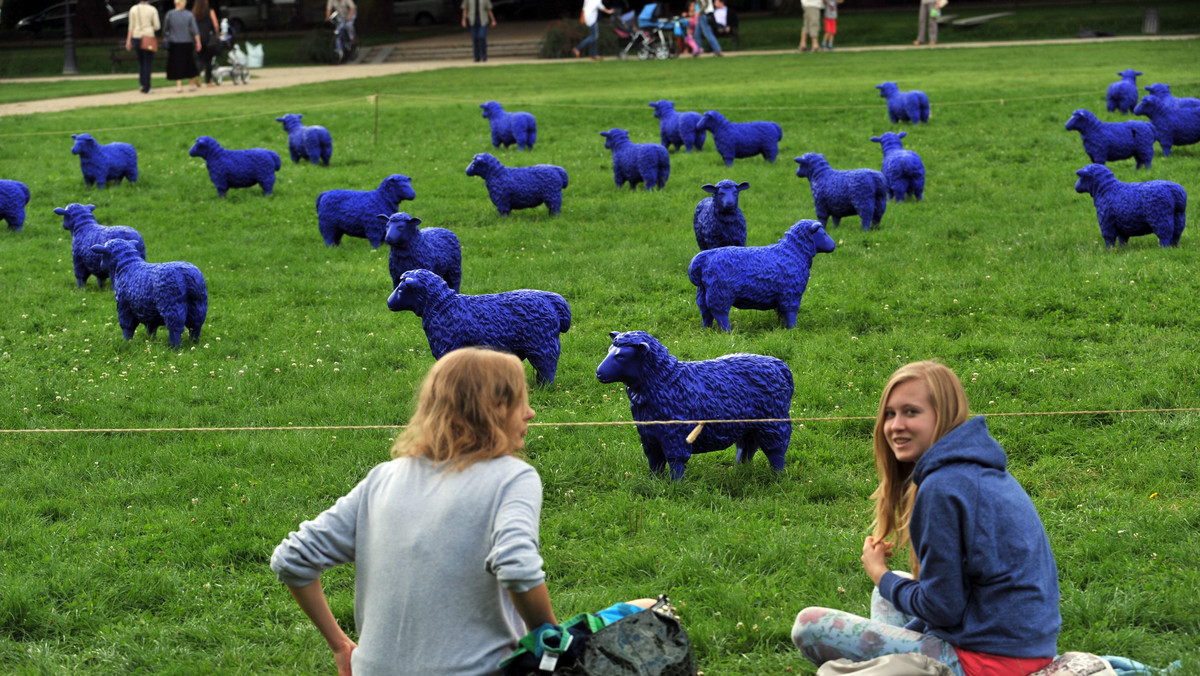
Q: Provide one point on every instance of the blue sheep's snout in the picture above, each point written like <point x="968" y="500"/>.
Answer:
<point x="401" y="298"/>
<point x="612" y="369"/>
<point x="400" y="228"/>
<point x="824" y="242"/>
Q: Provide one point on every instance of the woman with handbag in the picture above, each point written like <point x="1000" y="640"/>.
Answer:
<point x="210" y="29"/>
<point x="444" y="536"/>
<point x="183" y="43"/>
<point x="983" y="596"/>
<point x="143" y="23"/>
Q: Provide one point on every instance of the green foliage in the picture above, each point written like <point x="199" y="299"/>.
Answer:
<point x="558" y="40"/>
<point x="147" y="552"/>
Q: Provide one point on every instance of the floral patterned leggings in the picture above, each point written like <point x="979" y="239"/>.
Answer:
<point x="823" y="634"/>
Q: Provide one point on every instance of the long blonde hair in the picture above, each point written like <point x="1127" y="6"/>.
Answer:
<point x="463" y="407"/>
<point x="896" y="492"/>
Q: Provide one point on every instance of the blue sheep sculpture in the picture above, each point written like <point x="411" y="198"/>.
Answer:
<point x="1163" y="91"/>
<point x="14" y="195"/>
<point x="104" y="163"/>
<point x="734" y="387"/>
<point x="525" y="322"/>
<point x="155" y="294"/>
<point x="237" y="168"/>
<point x="678" y="129"/>
<point x="356" y="212"/>
<point x="1123" y="94"/>
<point x="309" y="142"/>
<point x="903" y="171"/>
<point x="910" y="106"/>
<point x="718" y="220"/>
<point x="520" y="187"/>
<point x="1104" y="141"/>
<point x="509" y="128"/>
<point x="1127" y="210"/>
<point x="771" y="277"/>
<point x="1175" y="125"/>
<point x="635" y="163"/>
<point x="844" y="193"/>
<point x="736" y="140"/>
<point x="86" y="233"/>
<point x="433" y="249"/>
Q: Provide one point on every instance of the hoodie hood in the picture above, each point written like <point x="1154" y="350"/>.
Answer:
<point x="970" y="443"/>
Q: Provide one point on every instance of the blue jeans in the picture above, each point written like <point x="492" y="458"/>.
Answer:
<point x="591" y="39"/>
<point x="479" y="40"/>
<point x="145" y="64"/>
<point x="706" y="31"/>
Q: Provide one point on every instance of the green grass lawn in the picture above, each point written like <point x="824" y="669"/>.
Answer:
<point x="147" y="552"/>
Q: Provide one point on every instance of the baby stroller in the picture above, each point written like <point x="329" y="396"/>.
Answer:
<point x="655" y="43"/>
<point x="625" y="26"/>
<point x="237" y="68"/>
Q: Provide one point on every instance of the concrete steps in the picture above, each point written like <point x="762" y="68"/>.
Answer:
<point x="523" y="48"/>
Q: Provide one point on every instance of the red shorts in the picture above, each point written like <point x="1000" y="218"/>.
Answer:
<point x="831" y="26"/>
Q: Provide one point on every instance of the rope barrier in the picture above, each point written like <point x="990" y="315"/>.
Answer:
<point x="596" y="423"/>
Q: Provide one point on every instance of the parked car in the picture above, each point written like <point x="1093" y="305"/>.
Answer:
<point x="243" y="14"/>
<point x="53" y="17"/>
<point x="163" y="6"/>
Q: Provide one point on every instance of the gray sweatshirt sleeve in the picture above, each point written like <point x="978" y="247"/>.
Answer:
<point x="515" y="558"/>
<point x="320" y="544"/>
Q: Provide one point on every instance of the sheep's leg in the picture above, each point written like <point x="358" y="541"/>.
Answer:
<point x="722" y="319"/>
<point x="100" y="279"/>
<point x="728" y="160"/>
<point x="1123" y="240"/>
<point x="770" y="153"/>
<point x="677" y="467"/>
<point x="81" y="276"/>
<point x="546" y="366"/>
<point x="1166" y="148"/>
<point x="788" y="316"/>
<point x="706" y="317"/>
<point x="267" y="183"/>
<point x="746" y="448"/>
<point x="554" y="203"/>
<point x="654" y="454"/>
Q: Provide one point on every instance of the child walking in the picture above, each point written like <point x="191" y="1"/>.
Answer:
<point x="831" y="13"/>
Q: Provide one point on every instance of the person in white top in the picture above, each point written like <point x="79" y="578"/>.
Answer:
<point x="143" y="23"/>
<point x="590" y="17"/>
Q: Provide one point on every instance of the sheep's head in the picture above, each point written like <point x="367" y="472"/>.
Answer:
<point x="72" y="212"/>
<point x="401" y="229"/>
<point x="482" y="165"/>
<point x="112" y="249"/>
<point x="398" y="186"/>
<point x="1148" y="105"/>
<point x="414" y="290"/>
<point x="290" y="121"/>
<point x="204" y="147"/>
<point x="612" y="136"/>
<point x="1090" y="176"/>
<point x="491" y="109"/>
<point x="83" y="143"/>
<point x="626" y="357"/>
<point x="725" y="195"/>
<point x="661" y="108"/>
<point x="1159" y="89"/>
<point x="1079" y="118"/>
<point x="890" y="139"/>
<point x="1129" y="73"/>
<point x="808" y="163"/>
<point x="813" y="231"/>
<point x="887" y="89"/>
<point x="709" y="120"/>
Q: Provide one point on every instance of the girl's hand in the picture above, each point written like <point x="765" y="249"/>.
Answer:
<point x="874" y="557"/>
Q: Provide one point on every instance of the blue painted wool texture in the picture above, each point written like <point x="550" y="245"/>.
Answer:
<point x="509" y="128"/>
<point x="107" y="162"/>
<point x="237" y="168"/>
<point x="307" y="142"/>
<point x="520" y="187"/>
<point x="14" y="195"/>
<point x="1175" y="125"/>
<point x="903" y="170"/>
<point x="736" y="140"/>
<point x="434" y="249"/>
<point x="525" y="322"/>
<point x="1127" y="210"/>
<point x="904" y="106"/>
<point x="86" y="233"/>
<point x="1163" y="92"/>
<point x="634" y="163"/>
<point x="732" y="387"/>
<point x="840" y="193"/>
<point x="356" y="212"/>
<point x="678" y="129"/>
<point x="718" y="219"/>
<point x="1123" y="94"/>
<point x="772" y="277"/>
<point x="172" y="294"/>
<point x="1109" y="141"/>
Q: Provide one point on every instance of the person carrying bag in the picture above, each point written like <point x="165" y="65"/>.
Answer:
<point x="143" y="23"/>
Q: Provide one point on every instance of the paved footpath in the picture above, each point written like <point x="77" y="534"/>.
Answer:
<point x="272" y="78"/>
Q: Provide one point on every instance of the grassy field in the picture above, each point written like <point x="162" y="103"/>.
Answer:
<point x="146" y="552"/>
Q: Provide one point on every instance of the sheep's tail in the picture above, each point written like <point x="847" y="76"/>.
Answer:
<point x="319" y="196"/>
<point x="696" y="268"/>
<point x="562" y="173"/>
<point x="778" y="132"/>
<point x="275" y="156"/>
<point x="563" y="310"/>
<point x="25" y="189"/>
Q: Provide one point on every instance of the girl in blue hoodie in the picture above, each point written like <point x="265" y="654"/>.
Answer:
<point x="983" y="596"/>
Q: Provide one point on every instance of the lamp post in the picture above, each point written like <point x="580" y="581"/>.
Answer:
<point x="69" y="67"/>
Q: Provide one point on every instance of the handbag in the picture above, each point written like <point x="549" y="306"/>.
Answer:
<point x="647" y="642"/>
<point x="149" y="44"/>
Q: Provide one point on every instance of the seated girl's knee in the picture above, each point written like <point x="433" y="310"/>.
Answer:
<point x="806" y="621"/>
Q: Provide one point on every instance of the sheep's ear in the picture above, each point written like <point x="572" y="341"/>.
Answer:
<point x="798" y="160"/>
<point x="74" y="136"/>
<point x="98" y="248"/>
<point x="604" y="134"/>
<point x="382" y="217"/>
<point x="60" y="211"/>
<point x="279" y="119"/>
<point x="90" y="207"/>
<point x="414" y="220"/>
<point x="876" y="139"/>
<point x="613" y="334"/>
<point x="902" y="134"/>
<point x="743" y="186"/>
<point x="642" y="346"/>
<point x="709" y="188"/>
